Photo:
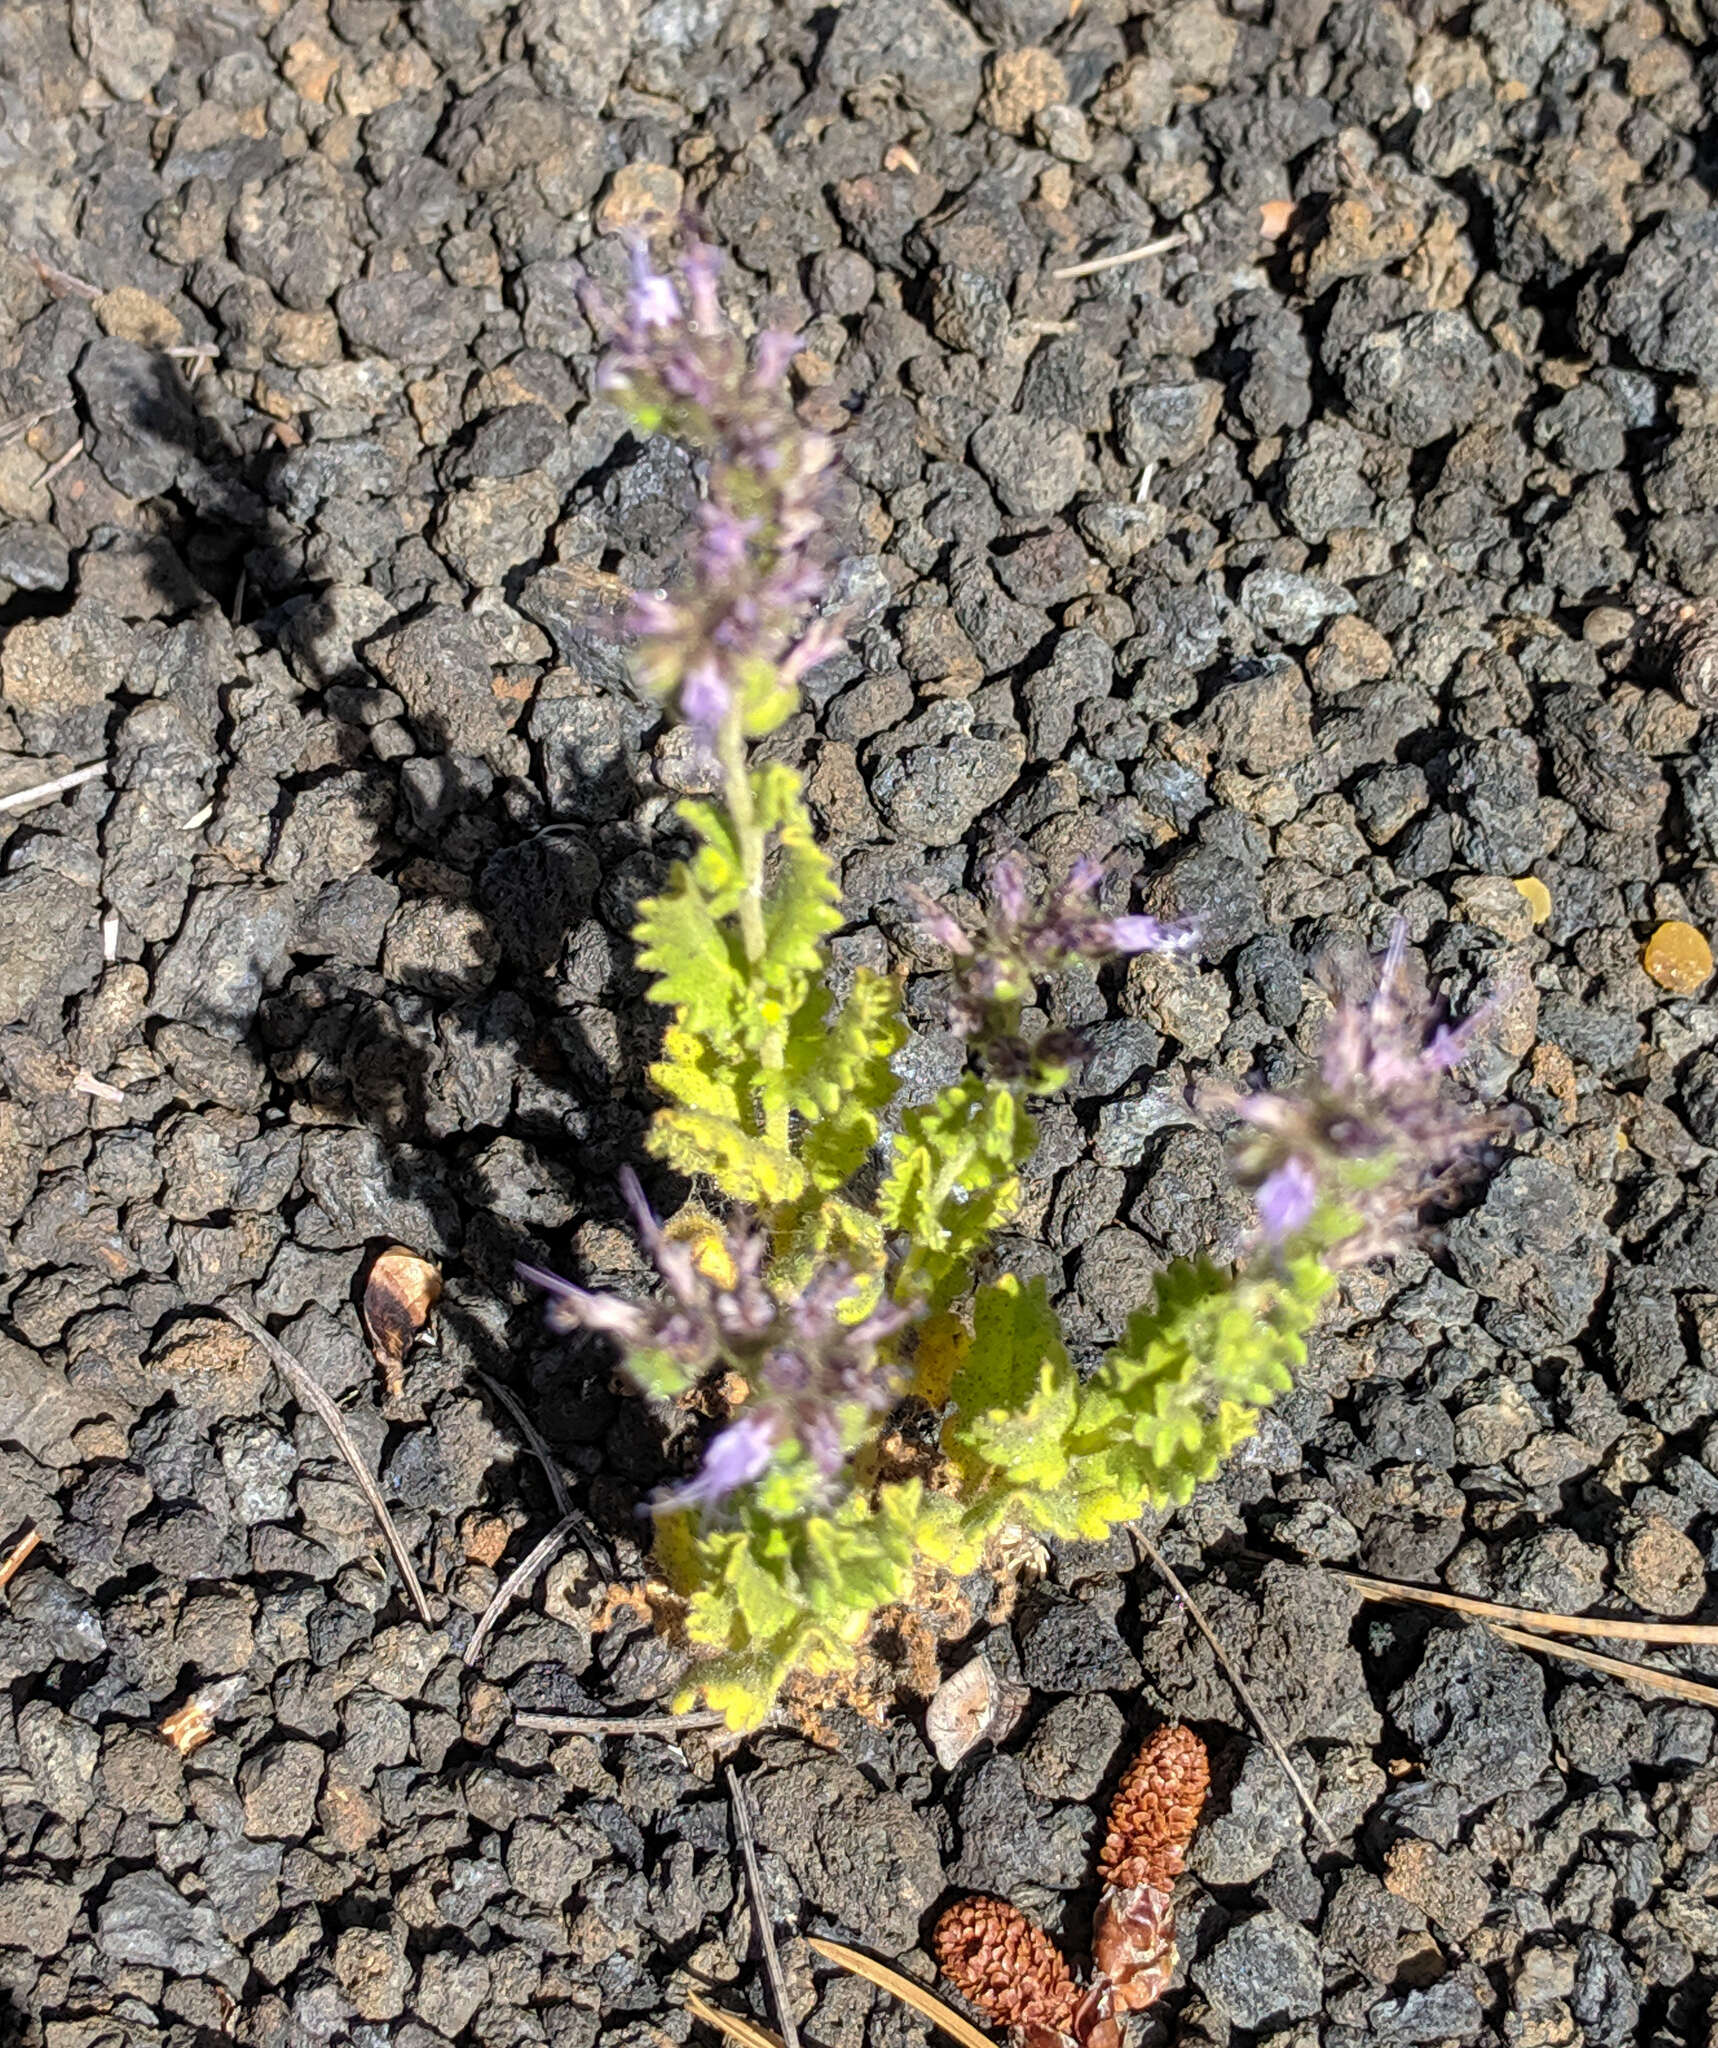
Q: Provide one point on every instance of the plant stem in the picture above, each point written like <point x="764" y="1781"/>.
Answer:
<point x="731" y="750"/>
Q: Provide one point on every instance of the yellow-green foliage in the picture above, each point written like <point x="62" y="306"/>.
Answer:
<point x="1167" y="1406"/>
<point x="775" y="1099"/>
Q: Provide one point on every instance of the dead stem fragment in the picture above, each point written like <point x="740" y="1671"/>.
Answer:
<point x="670" y="1725"/>
<point x="903" y="1988"/>
<point x="311" y="1392"/>
<point x="740" y="1807"/>
<point x="1683" y="1634"/>
<point x="523" y="1575"/>
<point x="17" y="1555"/>
<point x="1268" y="1734"/>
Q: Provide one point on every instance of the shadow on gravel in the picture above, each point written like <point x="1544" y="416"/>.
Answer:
<point x="474" y="1094"/>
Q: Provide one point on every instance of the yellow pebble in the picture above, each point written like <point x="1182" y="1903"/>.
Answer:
<point x="1678" y="957"/>
<point x="1538" y="897"/>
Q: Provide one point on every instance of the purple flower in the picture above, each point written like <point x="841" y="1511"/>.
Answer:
<point x="815" y="1374"/>
<point x="1378" y="1131"/>
<point x="654" y="302"/>
<point x="759" y="570"/>
<point x="1150" y="935"/>
<point x="573" y="1308"/>
<point x="705" y="696"/>
<point x="771" y="353"/>
<point x="1287" y="1197"/>
<point x="1025" y="938"/>
<point x="733" y="1458"/>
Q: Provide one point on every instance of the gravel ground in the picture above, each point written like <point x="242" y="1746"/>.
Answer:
<point x="1294" y="570"/>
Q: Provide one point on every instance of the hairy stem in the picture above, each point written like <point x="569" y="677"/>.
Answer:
<point x="748" y="837"/>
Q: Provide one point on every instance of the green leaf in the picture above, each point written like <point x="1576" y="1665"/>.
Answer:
<point x="1016" y="1392"/>
<point x="822" y="1231"/>
<point x="659" y="1373"/>
<point x="953" y="1182"/>
<point x="745" y="1168"/>
<point x="1186" y="1383"/>
<point x="766" y="702"/>
<point x="775" y="1595"/>
<point x="802" y="906"/>
<point x="699" y="967"/>
<point x="838" y="1078"/>
<point x="692" y="1073"/>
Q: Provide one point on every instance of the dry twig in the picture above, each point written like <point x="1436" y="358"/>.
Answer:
<point x="1096" y="265"/>
<point x="60" y="282"/>
<point x="740" y="1807"/>
<point x="311" y="1392"/>
<point x="1242" y="1693"/>
<point x="65" y="462"/>
<point x="1683" y="1633"/>
<point x="522" y="1575"/>
<point x="533" y="1441"/>
<point x="904" y="1989"/>
<point x="21" y="423"/>
<point x="597" y="1546"/>
<point x="18" y="1553"/>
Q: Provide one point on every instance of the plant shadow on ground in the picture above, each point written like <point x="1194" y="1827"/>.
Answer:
<point x="502" y="1097"/>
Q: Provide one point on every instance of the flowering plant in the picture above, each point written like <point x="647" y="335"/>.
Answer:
<point x="844" y="1281"/>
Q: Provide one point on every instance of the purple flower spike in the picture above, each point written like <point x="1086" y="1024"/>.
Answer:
<point x="1287" y="1198"/>
<point x="733" y="1458"/>
<point x="1378" y="1129"/>
<point x="1150" y="935"/>
<point x="655" y="302"/>
<point x="813" y="1379"/>
<point x="759" y="569"/>
<point x="705" y="697"/>
<point x="702" y="264"/>
<point x="771" y="353"/>
<point x="1025" y="939"/>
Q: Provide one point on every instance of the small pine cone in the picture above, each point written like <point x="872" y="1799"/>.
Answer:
<point x="1006" y="1965"/>
<point x="1156" y="1810"/>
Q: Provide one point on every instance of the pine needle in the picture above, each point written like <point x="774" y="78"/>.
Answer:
<point x="313" y="1394"/>
<point x="746" y="2032"/>
<point x="741" y="1808"/>
<point x="533" y="1441"/>
<point x="39" y="792"/>
<point x="1239" y="1683"/>
<point x="18" y="1553"/>
<point x="1615" y="1667"/>
<point x="522" y="1575"/>
<point x="1683" y="1634"/>
<point x="904" y="1989"/>
<point x="596" y="1545"/>
<point x="670" y="1725"/>
<point x="1098" y="264"/>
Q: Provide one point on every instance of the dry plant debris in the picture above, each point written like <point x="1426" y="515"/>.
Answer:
<point x="398" y="1296"/>
<point x="314" y="1395"/>
<point x="1013" y="1971"/>
<point x="962" y="1712"/>
<point x="190" y="1726"/>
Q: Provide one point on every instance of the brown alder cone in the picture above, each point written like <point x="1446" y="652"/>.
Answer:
<point x="1008" y="1967"/>
<point x="1155" y="1811"/>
